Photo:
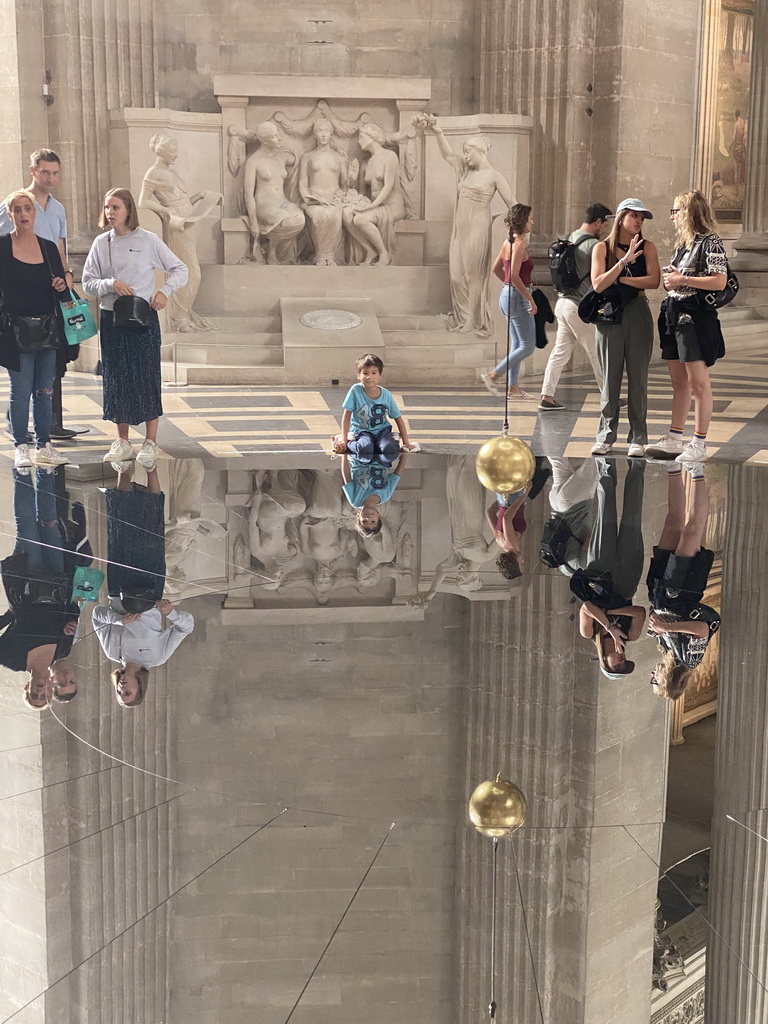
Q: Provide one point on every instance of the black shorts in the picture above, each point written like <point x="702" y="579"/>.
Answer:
<point x="683" y="344"/>
<point x="678" y="578"/>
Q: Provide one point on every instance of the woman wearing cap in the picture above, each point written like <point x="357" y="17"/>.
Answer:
<point x="689" y="329"/>
<point x="631" y="261"/>
<point x="122" y="262"/>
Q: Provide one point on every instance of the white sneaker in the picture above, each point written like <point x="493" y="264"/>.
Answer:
<point x="119" y="451"/>
<point x="602" y="448"/>
<point x="122" y="467"/>
<point x="21" y="459"/>
<point x="666" y="447"/>
<point x="694" y="468"/>
<point x="49" y="456"/>
<point x="492" y="385"/>
<point x="636" y="451"/>
<point x="147" y="456"/>
<point x="694" y="451"/>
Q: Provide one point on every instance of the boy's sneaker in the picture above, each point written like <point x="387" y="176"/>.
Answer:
<point x="666" y="447"/>
<point x="49" y="456"/>
<point x="119" y="451"/>
<point x="694" y="451"/>
<point x="21" y="459"/>
<point x="602" y="448"/>
<point x="147" y="456"/>
<point x="636" y="451"/>
<point x="696" y="469"/>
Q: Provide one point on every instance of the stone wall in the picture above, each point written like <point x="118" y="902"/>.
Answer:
<point x="351" y="727"/>
<point x="340" y="37"/>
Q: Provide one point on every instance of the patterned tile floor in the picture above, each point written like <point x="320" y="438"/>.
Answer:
<point x="234" y="421"/>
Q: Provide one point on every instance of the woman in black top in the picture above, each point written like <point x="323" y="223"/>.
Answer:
<point x="689" y="328"/>
<point x="31" y="278"/>
<point x="37" y="631"/>
<point x="631" y="262"/>
<point x="607" y="585"/>
<point x="677" y="578"/>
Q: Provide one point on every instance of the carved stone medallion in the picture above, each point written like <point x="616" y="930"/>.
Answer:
<point x="330" y="320"/>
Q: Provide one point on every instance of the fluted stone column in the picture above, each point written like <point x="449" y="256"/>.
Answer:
<point x="102" y="56"/>
<point x="582" y="71"/>
<point x="739" y="868"/>
<point x="755" y="217"/>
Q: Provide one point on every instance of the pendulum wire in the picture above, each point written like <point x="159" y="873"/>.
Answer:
<point x="527" y="933"/>
<point x="492" y="1002"/>
<point x="347" y="909"/>
<point x="509" y="334"/>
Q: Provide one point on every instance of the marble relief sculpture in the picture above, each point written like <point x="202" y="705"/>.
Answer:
<point x="165" y="193"/>
<point x="323" y="180"/>
<point x="320" y="206"/>
<point x="470" y="256"/>
<point x="272" y="216"/>
<point x="371" y="221"/>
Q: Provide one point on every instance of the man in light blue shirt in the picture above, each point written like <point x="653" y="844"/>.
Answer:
<point x="51" y="223"/>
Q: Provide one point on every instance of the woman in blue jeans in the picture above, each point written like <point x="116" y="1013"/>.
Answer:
<point x="31" y="278"/>
<point x="514" y="267"/>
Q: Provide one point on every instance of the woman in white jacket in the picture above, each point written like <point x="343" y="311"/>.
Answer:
<point x="123" y="261"/>
<point x="139" y="643"/>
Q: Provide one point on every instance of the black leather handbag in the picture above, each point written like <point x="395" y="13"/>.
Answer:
<point x="33" y="333"/>
<point x="602" y="307"/>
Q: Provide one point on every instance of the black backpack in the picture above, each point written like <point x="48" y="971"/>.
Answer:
<point x="562" y="264"/>
<point x="554" y="541"/>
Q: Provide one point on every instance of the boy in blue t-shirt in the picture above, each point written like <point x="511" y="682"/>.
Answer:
<point x="366" y="432"/>
<point x="367" y="487"/>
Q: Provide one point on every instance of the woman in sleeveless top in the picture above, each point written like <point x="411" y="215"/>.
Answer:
<point x="689" y="328"/>
<point x="514" y="267"/>
<point x="631" y="261"/>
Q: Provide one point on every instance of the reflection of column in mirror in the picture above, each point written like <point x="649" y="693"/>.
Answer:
<point x="739" y="873"/>
<point x="577" y="746"/>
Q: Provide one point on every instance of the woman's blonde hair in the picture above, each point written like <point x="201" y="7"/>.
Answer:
<point x="670" y="679"/>
<point x="143" y="678"/>
<point x="19" y="193"/>
<point x="128" y="202"/>
<point x="699" y="218"/>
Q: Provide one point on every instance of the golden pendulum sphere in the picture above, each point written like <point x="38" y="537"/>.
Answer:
<point x="497" y="808"/>
<point x="505" y="464"/>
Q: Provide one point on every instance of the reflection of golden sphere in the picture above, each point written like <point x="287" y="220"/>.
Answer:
<point x="504" y="464"/>
<point x="497" y="808"/>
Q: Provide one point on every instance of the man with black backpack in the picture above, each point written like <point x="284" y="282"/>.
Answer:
<point x="570" y="262"/>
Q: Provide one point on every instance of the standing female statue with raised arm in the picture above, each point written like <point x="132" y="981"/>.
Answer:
<point x="372" y="223"/>
<point x="166" y="194"/>
<point x="323" y="172"/>
<point x="470" y="256"/>
<point x="271" y="214"/>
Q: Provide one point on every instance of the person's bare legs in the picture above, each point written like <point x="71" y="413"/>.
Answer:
<point x="701" y="387"/>
<point x="681" y="393"/>
<point x="122" y="431"/>
<point x="153" y="483"/>
<point x="151" y="429"/>
<point x="675" y="518"/>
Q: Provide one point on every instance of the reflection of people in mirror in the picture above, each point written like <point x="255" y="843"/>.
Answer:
<point x="130" y="629"/>
<point x="367" y="488"/>
<point x="677" y="578"/>
<point x="40" y="624"/>
<point x="566" y="536"/>
<point x="506" y="517"/>
<point x="607" y="585"/>
<point x="366" y="431"/>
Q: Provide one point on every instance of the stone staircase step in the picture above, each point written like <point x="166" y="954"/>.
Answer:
<point x="746" y="328"/>
<point x="733" y="314"/>
<point x="244" y="324"/>
<point x="212" y="373"/>
<point x="403" y="322"/>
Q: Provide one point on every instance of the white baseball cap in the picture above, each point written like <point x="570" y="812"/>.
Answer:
<point x="636" y="205"/>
